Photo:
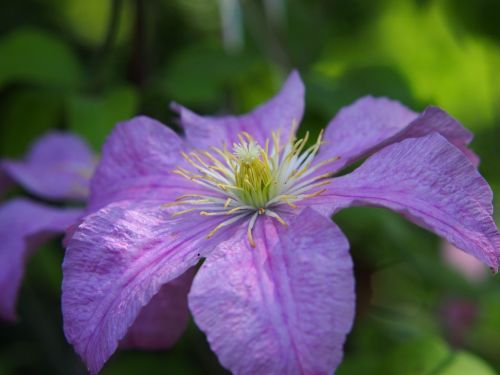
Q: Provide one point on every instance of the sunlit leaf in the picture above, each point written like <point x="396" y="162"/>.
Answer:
<point x="466" y="363"/>
<point x="443" y="68"/>
<point x="432" y="356"/>
<point x="202" y="15"/>
<point x="89" y="19"/>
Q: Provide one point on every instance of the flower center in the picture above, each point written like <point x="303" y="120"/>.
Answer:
<point x="253" y="175"/>
<point x="252" y="180"/>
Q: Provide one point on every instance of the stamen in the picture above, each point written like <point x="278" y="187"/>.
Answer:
<point x="252" y="180"/>
<point x="179" y="213"/>
<point x="189" y="196"/>
<point x="251" y="224"/>
<point x="315" y="194"/>
<point x="224" y="224"/>
<point x="294" y="206"/>
<point x="277" y="217"/>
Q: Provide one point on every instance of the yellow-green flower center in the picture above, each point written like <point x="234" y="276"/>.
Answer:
<point x="252" y="180"/>
<point x="253" y="175"/>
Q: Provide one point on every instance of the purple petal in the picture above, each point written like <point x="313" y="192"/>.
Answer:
<point x="431" y="183"/>
<point x="370" y="123"/>
<point x="24" y="225"/>
<point x="116" y="261"/>
<point x="136" y="163"/>
<point x="435" y="120"/>
<point x="284" y="307"/>
<point x="281" y="112"/>
<point x="165" y="188"/>
<point x="163" y="320"/>
<point x="58" y="166"/>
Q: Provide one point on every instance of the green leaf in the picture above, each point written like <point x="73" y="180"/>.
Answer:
<point x="466" y="363"/>
<point x="358" y="365"/>
<point x="44" y="267"/>
<point x="419" y="356"/>
<point x="89" y="20"/>
<point x="454" y="72"/>
<point x="36" y="57"/>
<point x="24" y="116"/>
<point x="330" y="95"/>
<point x="430" y="355"/>
<point x="440" y="65"/>
<point x="184" y="81"/>
<point x="94" y="117"/>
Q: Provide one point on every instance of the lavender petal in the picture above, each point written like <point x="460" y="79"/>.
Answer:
<point x="283" y="307"/>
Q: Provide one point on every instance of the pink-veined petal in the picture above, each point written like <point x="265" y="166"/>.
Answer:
<point x="371" y="123"/>
<point x="165" y="188"/>
<point x="283" y="307"/>
<point x="24" y="225"/>
<point x="58" y="166"/>
<point x="117" y="260"/>
<point x="431" y="183"/>
<point x="137" y="160"/>
<point x="163" y="320"/>
<point x="435" y="120"/>
<point x="282" y="112"/>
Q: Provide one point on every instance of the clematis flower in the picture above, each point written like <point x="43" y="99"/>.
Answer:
<point x="58" y="168"/>
<point x="275" y="293"/>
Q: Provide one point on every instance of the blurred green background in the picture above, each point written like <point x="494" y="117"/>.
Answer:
<point x="83" y="65"/>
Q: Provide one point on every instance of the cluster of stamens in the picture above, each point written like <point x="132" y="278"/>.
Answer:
<point x="252" y="180"/>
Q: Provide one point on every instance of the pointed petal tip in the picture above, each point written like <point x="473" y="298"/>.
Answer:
<point x="174" y="106"/>
<point x="138" y="119"/>
<point x="294" y="75"/>
<point x="294" y="80"/>
<point x="445" y="193"/>
<point x="280" y="111"/>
